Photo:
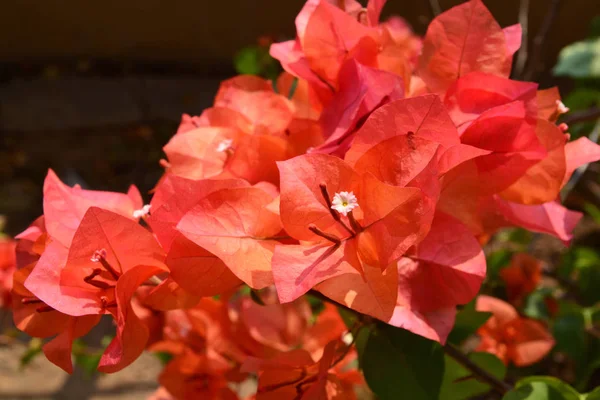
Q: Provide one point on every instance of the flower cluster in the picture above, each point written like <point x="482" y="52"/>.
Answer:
<point x="370" y="173"/>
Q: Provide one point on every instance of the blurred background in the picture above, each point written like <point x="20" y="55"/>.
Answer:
<point x="94" y="90"/>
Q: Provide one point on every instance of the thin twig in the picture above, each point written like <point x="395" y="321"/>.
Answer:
<point x="478" y="373"/>
<point x="435" y="8"/>
<point x="582" y="116"/>
<point x="524" y="22"/>
<point x="581" y="170"/>
<point x="540" y="39"/>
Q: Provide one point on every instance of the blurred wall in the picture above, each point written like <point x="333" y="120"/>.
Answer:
<point x="207" y="33"/>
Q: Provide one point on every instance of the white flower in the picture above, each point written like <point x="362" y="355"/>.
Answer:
<point x="225" y="145"/>
<point x="561" y="108"/>
<point x="142" y="212"/>
<point x="344" y="202"/>
<point x="98" y="255"/>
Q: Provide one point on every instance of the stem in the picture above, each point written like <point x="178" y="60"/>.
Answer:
<point x="479" y="373"/>
<point x="354" y="223"/>
<point x="582" y="116"/>
<point x="540" y="39"/>
<point x="434" y="6"/>
<point x="524" y="22"/>
<point x="325" y="235"/>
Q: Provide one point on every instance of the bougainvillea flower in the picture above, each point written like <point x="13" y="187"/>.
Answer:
<point x="551" y="218"/>
<point x="578" y="153"/>
<point x="295" y="374"/>
<point x="204" y="329"/>
<point x="410" y="142"/>
<point x="331" y="37"/>
<point x="421" y="293"/>
<point x="218" y="152"/>
<point x="194" y="376"/>
<point x="305" y="101"/>
<point x="8" y="265"/>
<point x="329" y="33"/>
<point x="521" y="277"/>
<point x="238" y="226"/>
<point x="512" y="338"/>
<point x="542" y="181"/>
<point x="477" y="92"/>
<point x="513" y="141"/>
<point x="31" y="243"/>
<point x="254" y="98"/>
<point x="175" y="196"/>
<point x="361" y="90"/>
<point x="464" y="39"/>
<point x="278" y="326"/>
<point x="198" y="271"/>
<point x="387" y="221"/>
<point x="169" y="295"/>
<point x="109" y="258"/>
<point x="65" y="206"/>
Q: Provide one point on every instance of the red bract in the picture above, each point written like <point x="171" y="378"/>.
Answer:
<point x="295" y="374"/>
<point x="362" y="90"/>
<point x="241" y="227"/>
<point x="330" y="33"/>
<point x="510" y="337"/>
<point x="387" y="222"/>
<point x="8" y="265"/>
<point x="109" y="258"/>
<point x="64" y="207"/>
<point x="368" y="174"/>
<point x="420" y="292"/>
<point x="521" y="277"/>
<point x="464" y="39"/>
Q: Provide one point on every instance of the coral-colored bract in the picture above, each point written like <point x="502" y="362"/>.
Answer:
<point x="371" y="186"/>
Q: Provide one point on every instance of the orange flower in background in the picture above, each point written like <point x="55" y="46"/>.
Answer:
<point x="8" y="264"/>
<point x="510" y="337"/>
<point x="521" y="277"/>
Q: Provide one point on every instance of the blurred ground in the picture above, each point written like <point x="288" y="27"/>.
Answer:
<point x="42" y="380"/>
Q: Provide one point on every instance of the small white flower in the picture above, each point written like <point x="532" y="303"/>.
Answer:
<point x="344" y="202"/>
<point x="142" y="212"/>
<point x="225" y="145"/>
<point x="561" y="108"/>
<point x="98" y="255"/>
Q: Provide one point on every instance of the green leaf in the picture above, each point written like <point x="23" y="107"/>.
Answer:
<point x="460" y="384"/>
<point x="398" y="364"/>
<point x="569" y="332"/>
<point x="498" y="260"/>
<point x="316" y="305"/>
<point x="34" y="349"/>
<point x="247" y="61"/>
<point x="293" y="88"/>
<point x="542" y="388"/>
<point x="593" y="395"/>
<point x="595" y="27"/>
<point x="467" y="322"/>
<point x="349" y="317"/>
<point x="591" y="209"/>
<point x="577" y="259"/>
<point x="88" y="362"/>
<point x="535" y="304"/>
<point x="581" y="99"/>
<point x="163" y="357"/>
<point x="580" y="60"/>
